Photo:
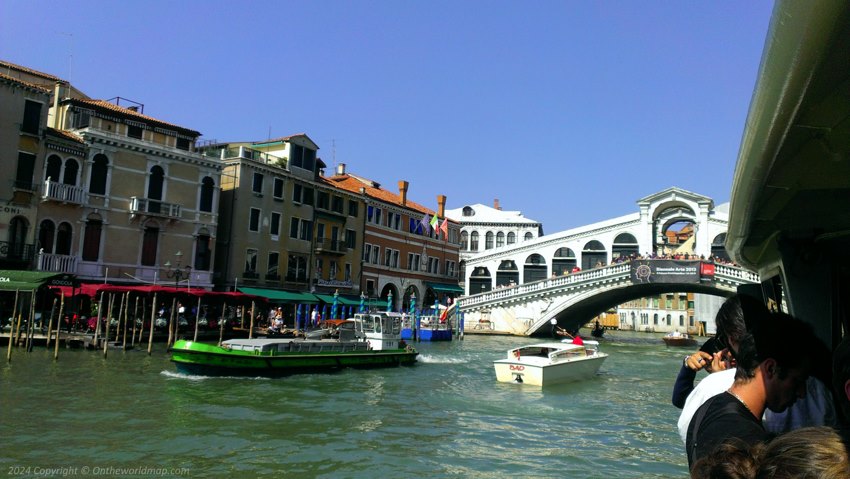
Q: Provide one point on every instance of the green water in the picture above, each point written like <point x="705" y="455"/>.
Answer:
<point x="444" y="417"/>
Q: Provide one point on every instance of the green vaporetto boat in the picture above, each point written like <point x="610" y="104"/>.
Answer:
<point x="367" y="341"/>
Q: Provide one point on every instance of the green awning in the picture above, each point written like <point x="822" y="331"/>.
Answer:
<point x="11" y="279"/>
<point x="280" y="296"/>
<point x="444" y="287"/>
<point x="341" y="299"/>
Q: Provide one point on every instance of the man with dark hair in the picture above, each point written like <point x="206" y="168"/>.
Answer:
<point x="771" y="374"/>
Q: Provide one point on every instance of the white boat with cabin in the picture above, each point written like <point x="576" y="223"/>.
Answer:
<point x="543" y="364"/>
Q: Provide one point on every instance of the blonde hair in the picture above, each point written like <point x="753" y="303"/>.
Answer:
<point x="807" y="453"/>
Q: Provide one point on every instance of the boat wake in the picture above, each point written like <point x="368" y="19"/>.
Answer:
<point x="197" y="377"/>
<point x="427" y="358"/>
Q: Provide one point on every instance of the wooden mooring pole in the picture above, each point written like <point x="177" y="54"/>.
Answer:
<point x="50" y="323"/>
<point x="12" y="329"/>
<point x="150" y="334"/>
<point x="58" y="330"/>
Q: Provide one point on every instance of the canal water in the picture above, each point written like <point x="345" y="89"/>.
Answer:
<point x="444" y="417"/>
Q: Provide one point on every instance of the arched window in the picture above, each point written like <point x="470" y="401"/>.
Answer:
<point x="203" y="250"/>
<point x="528" y="236"/>
<point x="488" y="240"/>
<point x="18" y="227"/>
<point x="53" y="168"/>
<point x="91" y="238"/>
<point x="507" y="274"/>
<point x="99" y="171"/>
<point x="72" y="168"/>
<point x="593" y="255"/>
<point x="511" y="237"/>
<point x="500" y="239"/>
<point x="718" y="247"/>
<point x="207" y="189"/>
<point x="535" y="268"/>
<point x="624" y="245"/>
<point x="473" y="243"/>
<point x="468" y="211"/>
<point x="150" y="244"/>
<point x="464" y="240"/>
<point x="156" y="182"/>
<point x="563" y="261"/>
<point x="46" y="232"/>
<point x="64" y="234"/>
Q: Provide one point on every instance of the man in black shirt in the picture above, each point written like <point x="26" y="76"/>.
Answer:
<point x="772" y="368"/>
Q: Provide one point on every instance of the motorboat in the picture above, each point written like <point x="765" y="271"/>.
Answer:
<point x="430" y="328"/>
<point x="365" y="341"/>
<point x="543" y="364"/>
<point x="675" y="338"/>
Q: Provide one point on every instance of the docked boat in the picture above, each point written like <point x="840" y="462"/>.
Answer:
<point x="431" y="328"/>
<point x="675" y="338"/>
<point x="366" y="341"/>
<point x="543" y="364"/>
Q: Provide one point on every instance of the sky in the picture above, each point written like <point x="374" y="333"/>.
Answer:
<point x="568" y="111"/>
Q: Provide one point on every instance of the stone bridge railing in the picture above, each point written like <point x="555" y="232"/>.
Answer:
<point x="726" y="274"/>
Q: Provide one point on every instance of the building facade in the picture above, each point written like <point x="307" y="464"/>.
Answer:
<point x="407" y="255"/>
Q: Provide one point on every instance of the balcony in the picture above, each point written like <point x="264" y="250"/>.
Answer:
<point x="16" y="252"/>
<point x="145" y="206"/>
<point x="55" y="191"/>
<point x="331" y="246"/>
<point x="57" y="263"/>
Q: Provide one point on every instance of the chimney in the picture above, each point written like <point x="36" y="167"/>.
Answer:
<point x="133" y="108"/>
<point x="340" y="169"/>
<point x="496" y="204"/>
<point x="57" y="92"/>
<point x="402" y="191"/>
<point x="441" y="208"/>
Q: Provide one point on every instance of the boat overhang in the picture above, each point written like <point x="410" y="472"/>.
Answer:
<point x="792" y="179"/>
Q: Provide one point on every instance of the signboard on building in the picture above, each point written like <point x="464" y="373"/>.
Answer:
<point x="334" y="283"/>
<point x="665" y="271"/>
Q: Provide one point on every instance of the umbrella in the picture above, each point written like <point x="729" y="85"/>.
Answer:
<point x="362" y="303"/>
<point x="334" y="306"/>
<point x="325" y="311"/>
<point x="412" y="304"/>
<point x="436" y="307"/>
<point x="390" y="301"/>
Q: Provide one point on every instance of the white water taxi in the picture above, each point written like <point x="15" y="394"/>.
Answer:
<point x="543" y="364"/>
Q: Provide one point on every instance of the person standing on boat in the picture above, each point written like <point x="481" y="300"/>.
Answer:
<point x="314" y="315"/>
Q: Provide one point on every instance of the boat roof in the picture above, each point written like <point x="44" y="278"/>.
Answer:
<point x="550" y="345"/>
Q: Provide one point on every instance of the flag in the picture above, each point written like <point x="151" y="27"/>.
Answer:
<point x="435" y="221"/>
<point x="425" y="222"/>
<point x="445" y="228"/>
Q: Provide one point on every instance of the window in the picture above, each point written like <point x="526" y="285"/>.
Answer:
<point x="464" y="240"/>
<point x="46" y="232"/>
<point x="528" y="236"/>
<point x="274" y="227"/>
<point x="352" y="208"/>
<point x="473" y="244"/>
<point x="134" y="131"/>
<point x="367" y="252"/>
<point x="250" y="260"/>
<point x="394" y="220"/>
<point x="500" y="239"/>
<point x="257" y="184"/>
<point x="394" y="261"/>
<point x="388" y="256"/>
<point x="681" y="320"/>
<point x="293" y="227"/>
<point x="350" y="239"/>
<point x="655" y="319"/>
<point x="376" y="216"/>
<point x="308" y="196"/>
<point x="203" y="254"/>
<point x="64" y="235"/>
<point x="370" y="287"/>
<point x="323" y="200"/>
<point x="26" y="168"/>
<point x="82" y="118"/>
<point x="683" y="302"/>
<point x="150" y="239"/>
<point x="511" y="238"/>
<point x="413" y="261"/>
<point x="156" y="181"/>
<point x="337" y="204"/>
<point x="320" y="232"/>
<point x="207" y="189"/>
<point x="53" y="168"/>
<point x="183" y="144"/>
<point x="450" y="268"/>
<point x="332" y="270"/>
<point x="254" y="220"/>
<point x="306" y="230"/>
<point x="320" y="263"/>
<point x="669" y="302"/>
<point x="274" y="259"/>
<point x="91" y="239"/>
<point x="297" y="192"/>
<point x="277" y="192"/>
<point x="296" y="155"/>
<point x="18" y="227"/>
<point x="296" y="269"/>
<point x="433" y="265"/>
<point x="99" y="170"/>
<point x="347" y="272"/>
<point x="71" y="170"/>
<point x="488" y="240"/>
<point x="376" y="254"/>
<point x="32" y="117"/>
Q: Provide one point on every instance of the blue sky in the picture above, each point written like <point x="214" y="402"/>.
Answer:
<point x="568" y="111"/>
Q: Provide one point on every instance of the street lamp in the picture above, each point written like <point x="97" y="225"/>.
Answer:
<point x="176" y="271"/>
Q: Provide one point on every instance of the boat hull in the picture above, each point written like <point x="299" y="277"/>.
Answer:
<point x="428" y="334"/>
<point x="210" y="360"/>
<point x="680" y="342"/>
<point x="519" y="371"/>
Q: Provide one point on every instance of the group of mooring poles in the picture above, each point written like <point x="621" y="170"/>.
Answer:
<point x="15" y="333"/>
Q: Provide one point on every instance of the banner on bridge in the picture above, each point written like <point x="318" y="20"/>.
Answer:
<point x="670" y="271"/>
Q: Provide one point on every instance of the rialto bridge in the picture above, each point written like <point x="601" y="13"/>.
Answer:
<point x="576" y="274"/>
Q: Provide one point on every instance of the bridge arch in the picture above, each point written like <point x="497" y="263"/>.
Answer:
<point x="563" y="261"/>
<point x="625" y="245"/>
<point x="388" y="289"/>
<point x="534" y="268"/>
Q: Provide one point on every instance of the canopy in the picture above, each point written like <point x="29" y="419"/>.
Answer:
<point x="444" y="288"/>
<point x="341" y="299"/>
<point x="10" y="279"/>
<point x="280" y="296"/>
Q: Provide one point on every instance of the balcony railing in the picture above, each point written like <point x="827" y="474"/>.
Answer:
<point x="16" y="251"/>
<point x="154" y="207"/>
<point x="245" y="153"/>
<point x="57" y="263"/>
<point x="55" y="191"/>
<point x="331" y="246"/>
